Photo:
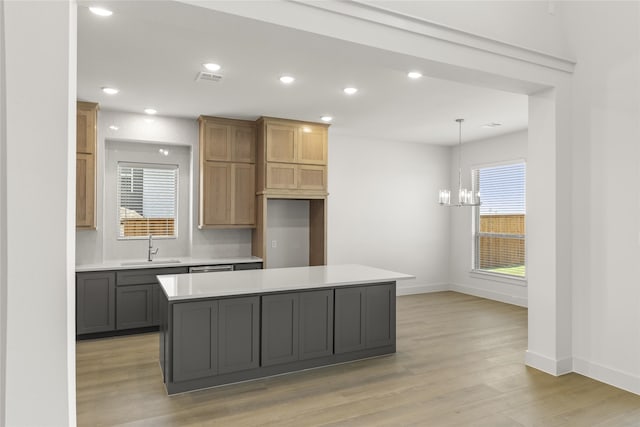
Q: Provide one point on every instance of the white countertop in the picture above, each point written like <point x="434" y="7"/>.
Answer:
<point x="205" y="285"/>
<point x="129" y="264"/>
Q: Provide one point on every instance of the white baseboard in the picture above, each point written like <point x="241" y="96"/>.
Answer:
<point x="483" y="293"/>
<point x="614" y="377"/>
<point x="420" y="288"/>
<point x="542" y="363"/>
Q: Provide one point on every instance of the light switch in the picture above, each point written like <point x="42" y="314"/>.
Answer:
<point x="274" y="243"/>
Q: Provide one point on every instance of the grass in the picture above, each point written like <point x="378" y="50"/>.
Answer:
<point x="513" y="270"/>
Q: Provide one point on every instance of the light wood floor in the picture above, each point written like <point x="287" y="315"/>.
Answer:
<point x="459" y="362"/>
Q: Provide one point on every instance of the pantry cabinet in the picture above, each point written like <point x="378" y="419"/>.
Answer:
<point x="292" y="163"/>
<point x="227" y="173"/>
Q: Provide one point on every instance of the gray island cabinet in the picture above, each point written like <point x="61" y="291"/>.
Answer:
<point x="228" y="327"/>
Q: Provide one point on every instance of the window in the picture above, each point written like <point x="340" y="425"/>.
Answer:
<point x="147" y="200"/>
<point x="499" y="231"/>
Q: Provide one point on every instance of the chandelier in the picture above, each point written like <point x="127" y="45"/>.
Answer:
<point x="465" y="197"/>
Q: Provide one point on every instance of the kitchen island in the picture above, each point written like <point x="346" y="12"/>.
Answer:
<point x="221" y="328"/>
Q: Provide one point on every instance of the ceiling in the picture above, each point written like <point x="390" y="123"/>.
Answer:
<point x="152" y="52"/>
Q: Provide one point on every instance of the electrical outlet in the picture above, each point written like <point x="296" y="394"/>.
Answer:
<point x="274" y="243"/>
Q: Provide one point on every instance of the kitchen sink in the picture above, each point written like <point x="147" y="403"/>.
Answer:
<point x="154" y="262"/>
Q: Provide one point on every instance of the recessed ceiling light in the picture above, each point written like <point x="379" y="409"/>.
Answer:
<point x="350" y="90"/>
<point x="100" y="11"/>
<point x="414" y="74"/>
<point x="211" y="66"/>
<point x="163" y="152"/>
<point x="491" y="125"/>
<point x="110" y="90"/>
<point x="114" y="127"/>
<point x="150" y="111"/>
<point x="287" y="79"/>
<point x="326" y="118"/>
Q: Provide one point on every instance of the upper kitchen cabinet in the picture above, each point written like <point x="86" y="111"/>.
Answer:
<point x="287" y="141"/>
<point x="86" y="144"/>
<point x="291" y="158"/>
<point x="312" y="147"/>
<point x="226" y="140"/>
<point x="227" y="173"/>
<point x="86" y="120"/>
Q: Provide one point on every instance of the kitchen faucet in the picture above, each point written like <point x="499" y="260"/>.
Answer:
<point x="152" y="252"/>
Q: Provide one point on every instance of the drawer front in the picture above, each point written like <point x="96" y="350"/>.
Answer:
<point x="312" y="177"/>
<point x="145" y="275"/>
<point x="248" y="266"/>
<point x="282" y="175"/>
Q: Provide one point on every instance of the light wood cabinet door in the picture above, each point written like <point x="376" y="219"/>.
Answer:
<point x="86" y="144"/>
<point x="287" y="176"/>
<point x="229" y="198"/>
<point x="86" y="120"/>
<point x="244" y="194"/>
<point x="243" y="144"/>
<point x="85" y="190"/>
<point x="227" y="173"/>
<point x="312" y="148"/>
<point x="312" y="177"/>
<point x="216" y="141"/>
<point x="282" y="176"/>
<point x="216" y="195"/>
<point x="282" y="143"/>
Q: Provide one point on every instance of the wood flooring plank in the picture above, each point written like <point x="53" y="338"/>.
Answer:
<point x="459" y="362"/>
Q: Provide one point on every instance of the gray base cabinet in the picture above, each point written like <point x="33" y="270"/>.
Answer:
<point x="112" y="301"/>
<point x="296" y="326"/>
<point x="215" y="336"/>
<point x="137" y="313"/>
<point x="195" y="346"/>
<point x="280" y="328"/>
<point x="316" y="324"/>
<point x="350" y="319"/>
<point x="221" y="340"/>
<point x="248" y="266"/>
<point x="365" y="317"/>
<point x="134" y="306"/>
<point x="95" y="302"/>
<point x="239" y="334"/>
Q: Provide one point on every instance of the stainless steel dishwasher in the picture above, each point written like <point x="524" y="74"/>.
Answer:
<point x="211" y="268"/>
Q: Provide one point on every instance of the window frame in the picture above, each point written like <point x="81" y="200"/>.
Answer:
<point x="475" y="235"/>
<point x="170" y="166"/>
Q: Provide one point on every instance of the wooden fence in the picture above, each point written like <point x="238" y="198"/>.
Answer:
<point x="144" y="226"/>
<point x="503" y="250"/>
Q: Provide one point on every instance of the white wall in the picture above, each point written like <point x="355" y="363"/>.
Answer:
<point x="288" y="227"/>
<point x="606" y="201"/>
<point x="38" y="197"/>
<point x="506" y="148"/>
<point x="94" y="246"/>
<point x="120" y="151"/>
<point x="383" y="208"/>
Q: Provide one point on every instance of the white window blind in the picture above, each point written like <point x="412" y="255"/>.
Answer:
<point x="147" y="200"/>
<point x="499" y="232"/>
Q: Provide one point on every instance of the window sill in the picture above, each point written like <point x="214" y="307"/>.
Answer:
<point x="496" y="277"/>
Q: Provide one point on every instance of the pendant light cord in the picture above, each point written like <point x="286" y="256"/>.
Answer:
<point x="459" y="154"/>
